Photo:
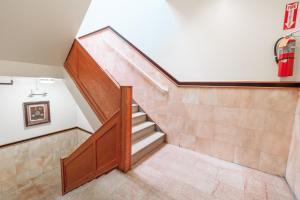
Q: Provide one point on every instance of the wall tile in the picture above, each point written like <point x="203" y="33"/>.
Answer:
<point x="252" y="119"/>
<point x="203" y="146"/>
<point x="23" y="162"/>
<point x="224" y="115"/>
<point x="247" y="157"/>
<point x="276" y="143"/>
<point x="279" y="122"/>
<point x="272" y="164"/>
<point x="205" y="130"/>
<point x="207" y="96"/>
<point x="223" y="122"/>
<point x="223" y="150"/>
<point x="225" y="133"/>
<point x="293" y="165"/>
<point x="228" y="98"/>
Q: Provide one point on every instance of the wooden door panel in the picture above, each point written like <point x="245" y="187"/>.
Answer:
<point x="107" y="148"/>
<point x="80" y="169"/>
<point x="105" y="94"/>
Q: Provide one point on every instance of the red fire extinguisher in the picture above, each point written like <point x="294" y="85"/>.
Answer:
<point x="284" y="51"/>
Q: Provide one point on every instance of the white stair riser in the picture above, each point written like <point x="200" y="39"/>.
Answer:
<point x="140" y="154"/>
<point x="139" y="119"/>
<point x="135" y="108"/>
<point x="142" y="133"/>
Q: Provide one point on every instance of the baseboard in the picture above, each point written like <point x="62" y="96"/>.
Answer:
<point x="42" y="136"/>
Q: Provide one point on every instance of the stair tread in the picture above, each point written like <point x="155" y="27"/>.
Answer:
<point x="146" y="141"/>
<point x="141" y="126"/>
<point x="138" y="114"/>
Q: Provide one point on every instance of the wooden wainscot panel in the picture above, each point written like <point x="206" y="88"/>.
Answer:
<point x="80" y="170"/>
<point x="107" y="150"/>
<point x="110" y="146"/>
<point x="79" y="167"/>
<point x="98" y="155"/>
<point x="99" y="86"/>
<point x="72" y="60"/>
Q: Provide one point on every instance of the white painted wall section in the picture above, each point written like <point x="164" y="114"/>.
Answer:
<point x="63" y="109"/>
<point x="21" y="69"/>
<point x="200" y="40"/>
<point x="65" y="113"/>
<point x="39" y="32"/>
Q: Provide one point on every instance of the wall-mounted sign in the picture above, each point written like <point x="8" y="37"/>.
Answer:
<point x="290" y="16"/>
<point x="36" y="113"/>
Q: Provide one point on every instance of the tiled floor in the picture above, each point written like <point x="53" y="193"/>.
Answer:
<point x="170" y="173"/>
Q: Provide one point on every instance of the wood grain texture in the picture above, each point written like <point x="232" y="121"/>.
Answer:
<point x="231" y="84"/>
<point x="99" y="89"/>
<point x="97" y="155"/>
<point x="110" y="146"/>
<point x="126" y="112"/>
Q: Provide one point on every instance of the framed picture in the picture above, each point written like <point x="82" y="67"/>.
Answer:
<point x="36" y="113"/>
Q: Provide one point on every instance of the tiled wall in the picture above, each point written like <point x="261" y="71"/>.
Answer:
<point x="293" y="166"/>
<point x="25" y="161"/>
<point x="251" y="127"/>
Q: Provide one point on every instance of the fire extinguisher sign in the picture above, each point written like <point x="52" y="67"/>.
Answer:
<point x="290" y="17"/>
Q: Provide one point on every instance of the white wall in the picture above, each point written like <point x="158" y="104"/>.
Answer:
<point x="63" y="108"/>
<point x="39" y="31"/>
<point x="199" y="40"/>
<point x="11" y="68"/>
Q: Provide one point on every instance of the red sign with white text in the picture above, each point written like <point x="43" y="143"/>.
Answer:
<point x="290" y="17"/>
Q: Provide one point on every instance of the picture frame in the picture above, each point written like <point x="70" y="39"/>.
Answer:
<point x="36" y="113"/>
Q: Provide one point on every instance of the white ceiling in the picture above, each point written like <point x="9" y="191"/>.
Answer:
<point x="36" y="31"/>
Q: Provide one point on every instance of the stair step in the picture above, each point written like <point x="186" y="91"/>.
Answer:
<point x="142" y="130"/>
<point x="135" y="108"/>
<point x="138" y="118"/>
<point x="146" y="145"/>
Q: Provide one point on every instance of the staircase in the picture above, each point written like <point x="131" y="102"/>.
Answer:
<point x="127" y="134"/>
<point x="146" y="135"/>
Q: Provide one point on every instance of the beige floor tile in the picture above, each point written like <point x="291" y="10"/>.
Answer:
<point x="171" y="173"/>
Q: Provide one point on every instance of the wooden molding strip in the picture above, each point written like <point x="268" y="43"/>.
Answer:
<point x="42" y="136"/>
<point x="88" y="132"/>
<point x="252" y="84"/>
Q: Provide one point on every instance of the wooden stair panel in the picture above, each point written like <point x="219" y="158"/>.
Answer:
<point x="110" y="146"/>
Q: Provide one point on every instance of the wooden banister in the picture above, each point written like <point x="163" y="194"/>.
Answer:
<point x="126" y="111"/>
<point x="110" y="146"/>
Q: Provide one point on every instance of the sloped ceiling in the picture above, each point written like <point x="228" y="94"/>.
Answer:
<point x="39" y="31"/>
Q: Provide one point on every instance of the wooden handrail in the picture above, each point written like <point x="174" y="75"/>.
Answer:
<point x="110" y="146"/>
